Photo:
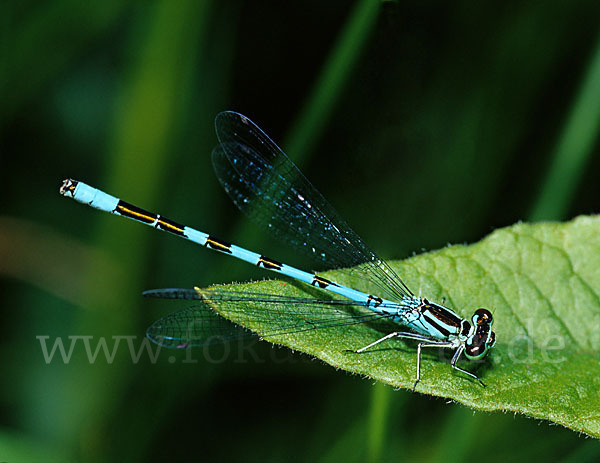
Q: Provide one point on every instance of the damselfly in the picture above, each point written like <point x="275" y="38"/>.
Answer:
<point x="266" y="185"/>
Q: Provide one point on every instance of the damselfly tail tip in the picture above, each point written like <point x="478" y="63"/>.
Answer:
<point x="68" y="187"/>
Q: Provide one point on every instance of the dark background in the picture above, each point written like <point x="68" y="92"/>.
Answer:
<point x="424" y="123"/>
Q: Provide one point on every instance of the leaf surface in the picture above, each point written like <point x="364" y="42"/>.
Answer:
<point x="542" y="284"/>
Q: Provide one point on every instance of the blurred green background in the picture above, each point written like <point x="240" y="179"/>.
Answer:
<point x="423" y="123"/>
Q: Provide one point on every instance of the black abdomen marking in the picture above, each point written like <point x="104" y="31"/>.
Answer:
<point x="170" y="226"/>
<point x="218" y="245"/>
<point x="269" y="264"/>
<point x="134" y="212"/>
<point x="322" y="282"/>
<point x="377" y="301"/>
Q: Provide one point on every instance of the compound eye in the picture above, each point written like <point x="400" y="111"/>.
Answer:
<point x="492" y="340"/>
<point x="483" y="316"/>
<point x="475" y="351"/>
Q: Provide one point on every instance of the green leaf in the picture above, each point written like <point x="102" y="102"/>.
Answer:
<point x="541" y="282"/>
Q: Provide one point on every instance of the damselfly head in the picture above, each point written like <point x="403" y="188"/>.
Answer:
<point x="483" y="338"/>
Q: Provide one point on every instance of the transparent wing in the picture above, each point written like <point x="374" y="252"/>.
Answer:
<point x="201" y="325"/>
<point x="267" y="186"/>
